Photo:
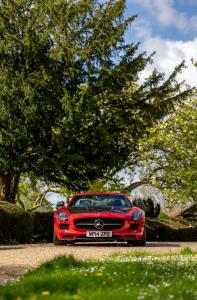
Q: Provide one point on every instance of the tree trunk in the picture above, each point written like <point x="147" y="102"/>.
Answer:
<point x="9" y="187"/>
<point x="134" y="185"/>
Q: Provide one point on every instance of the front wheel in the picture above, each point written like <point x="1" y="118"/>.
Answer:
<point x="56" y="241"/>
<point x="141" y="242"/>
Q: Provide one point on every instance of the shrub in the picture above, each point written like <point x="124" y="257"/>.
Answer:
<point x="16" y="225"/>
<point x="158" y="230"/>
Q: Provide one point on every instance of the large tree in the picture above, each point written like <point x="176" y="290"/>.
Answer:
<point x="70" y="108"/>
<point x="168" y="155"/>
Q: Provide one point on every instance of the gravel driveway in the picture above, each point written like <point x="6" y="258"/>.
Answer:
<point x="19" y="259"/>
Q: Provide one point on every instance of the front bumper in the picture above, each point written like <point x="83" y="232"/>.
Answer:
<point x="117" y="235"/>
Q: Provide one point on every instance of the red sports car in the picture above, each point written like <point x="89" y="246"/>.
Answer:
<point x="96" y="216"/>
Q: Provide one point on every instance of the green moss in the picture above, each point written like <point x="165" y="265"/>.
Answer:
<point x="10" y="208"/>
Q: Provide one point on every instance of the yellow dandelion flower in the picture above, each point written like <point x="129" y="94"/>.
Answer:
<point x="45" y="293"/>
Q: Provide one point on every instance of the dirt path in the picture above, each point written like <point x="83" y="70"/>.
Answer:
<point x="19" y="259"/>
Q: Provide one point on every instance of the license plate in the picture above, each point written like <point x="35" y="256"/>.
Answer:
<point x="94" y="234"/>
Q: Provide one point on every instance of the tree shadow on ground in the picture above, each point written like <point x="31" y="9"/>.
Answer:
<point x="11" y="247"/>
<point x="148" y="245"/>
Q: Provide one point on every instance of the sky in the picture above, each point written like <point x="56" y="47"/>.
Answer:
<point x="168" y="27"/>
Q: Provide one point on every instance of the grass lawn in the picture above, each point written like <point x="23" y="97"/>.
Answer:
<point x="130" y="276"/>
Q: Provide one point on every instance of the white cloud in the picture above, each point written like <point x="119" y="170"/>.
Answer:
<point x="166" y="14"/>
<point x="169" y="53"/>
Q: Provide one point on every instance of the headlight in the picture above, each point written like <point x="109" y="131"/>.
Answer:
<point x="137" y="215"/>
<point x="62" y="216"/>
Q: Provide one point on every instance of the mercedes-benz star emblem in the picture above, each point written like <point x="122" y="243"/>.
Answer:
<point x="98" y="223"/>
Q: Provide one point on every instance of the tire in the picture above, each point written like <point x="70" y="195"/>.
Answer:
<point x="129" y="243"/>
<point x="70" y="243"/>
<point x="56" y="241"/>
<point x="140" y="243"/>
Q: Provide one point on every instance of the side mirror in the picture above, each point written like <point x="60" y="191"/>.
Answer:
<point x="60" y="204"/>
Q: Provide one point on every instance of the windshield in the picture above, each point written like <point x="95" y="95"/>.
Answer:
<point x="105" y="202"/>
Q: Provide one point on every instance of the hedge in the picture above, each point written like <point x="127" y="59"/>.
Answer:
<point x="18" y="226"/>
<point x="43" y="227"/>
<point x="159" y="230"/>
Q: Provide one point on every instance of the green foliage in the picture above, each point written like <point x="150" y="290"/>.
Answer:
<point x="70" y="108"/>
<point x="31" y="194"/>
<point x="169" y="154"/>
<point x="188" y="251"/>
<point x="123" y="277"/>
<point x="108" y="184"/>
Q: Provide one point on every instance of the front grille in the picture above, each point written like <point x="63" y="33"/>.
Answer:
<point x="109" y="223"/>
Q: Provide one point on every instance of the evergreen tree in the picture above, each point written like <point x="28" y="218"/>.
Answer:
<point x="70" y="108"/>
